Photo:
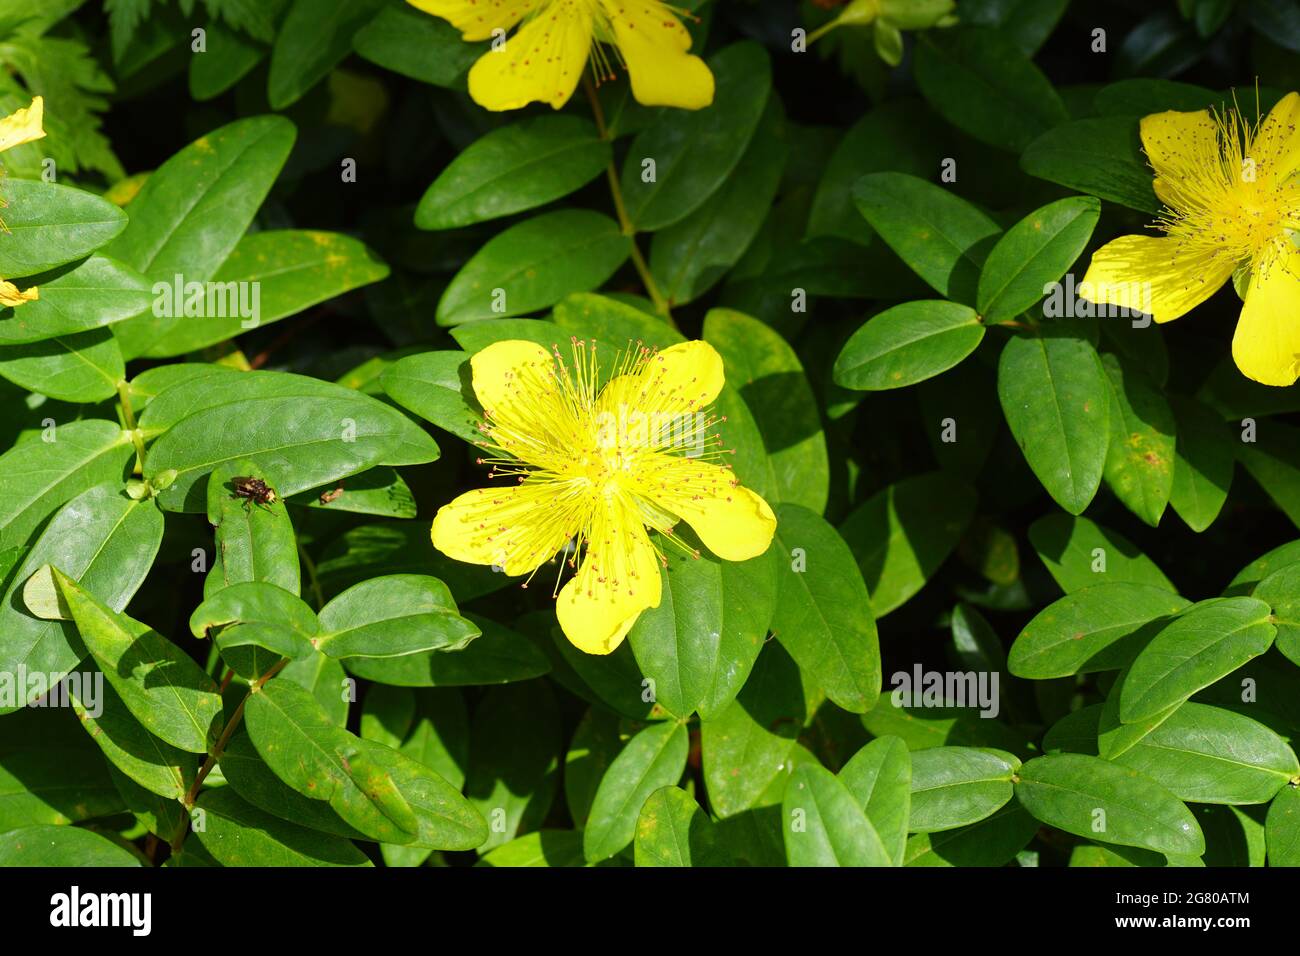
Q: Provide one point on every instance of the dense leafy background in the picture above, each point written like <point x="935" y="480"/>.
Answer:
<point x="1100" y="535"/>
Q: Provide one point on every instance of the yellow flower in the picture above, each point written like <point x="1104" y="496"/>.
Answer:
<point x="593" y="467"/>
<point x="1232" y="206"/>
<point x="544" y="60"/>
<point x="17" y="128"/>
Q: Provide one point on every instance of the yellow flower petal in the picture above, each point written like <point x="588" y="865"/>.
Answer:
<point x="1276" y="147"/>
<point x="507" y="527"/>
<point x="476" y="19"/>
<point x="1175" y="142"/>
<point x="1266" y="345"/>
<point x="653" y="44"/>
<point x="10" y="297"/>
<point x="22" y="126"/>
<point x="684" y="377"/>
<point x="1155" y="274"/>
<point x="543" y="62"/>
<point x="733" y="522"/>
<point x="618" y="579"/>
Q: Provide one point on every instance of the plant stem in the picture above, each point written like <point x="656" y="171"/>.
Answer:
<point x="218" y="749"/>
<point x="620" y="210"/>
<point x="128" y="416"/>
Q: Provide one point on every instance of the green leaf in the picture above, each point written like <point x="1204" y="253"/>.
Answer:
<point x="306" y="443"/>
<point x="654" y="758"/>
<point x="747" y="748"/>
<point x="392" y="616"/>
<point x="252" y="543"/>
<point x="234" y="54"/>
<point x="236" y="833"/>
<point x="1281" y="591"/>
<point x="104" y="540"/>
<point x="694" y="151"/>
<point x="1207" y="755"/>
<point x="499" y="656"/>
<point x="908" y="344"/>
<point x="1111" y="167"/>
<point x="45" y="845"/>
<point x="193" y="210"/>
<point x="823" y="612"/>
<point x="672" y="830"/>
<point x="956" y="786"/>
<point x="1091" y="798"/>
<point x="1033" y="253"/>
<point x="41" y="753"/>
<point x="417" y="45"/>
<point x="47" y="225"/>
<point x="534" y="264"/>
<point x="516" y="167"/>
<point x="436" y="386"/>
<point x="513" y="759"/>
<point x="259" y="614"/>
<point x="771" y="380"/>
<point x="163" y="688"/>
<point x="290" y="271"/>
<point x="880" y="778"/>
<point x="1055" y="396"/>
<point x="692" y="255"/>
<point x="37" y="477"/>
<point x="940" y="235"/>
<point x="699" y="645"/>
<point x="825" y="826"/>
<point x="901" y="535"/>
<point x="1274" y="462"/>
<point x="1097" y="628"/>
<point x="1203" y="463"/>
<point x="315" y="37"/>
<point x="1080" y="554"/>
<point x="144" y="758"/>
<point x="1209" y="641"/>
<point x="1282" y="828"/>
<point x="991" y="842"/>
<point x="1027" y="23"/>
<point x="980" y="82"/>
<point x="83" y="367"/>
<point x="1140" y="459"/>
<point x="376" y="789"/>
<point x="88" y="295"/>
<point x="543" y="848"/>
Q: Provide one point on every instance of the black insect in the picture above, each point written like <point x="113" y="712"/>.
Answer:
<point x="254" y="491"/>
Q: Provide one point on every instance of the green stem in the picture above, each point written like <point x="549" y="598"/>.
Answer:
<point x="128" y="416"/>
<point x="620" y="210"/>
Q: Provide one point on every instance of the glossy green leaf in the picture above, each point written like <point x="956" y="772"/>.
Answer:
<point x="823" y="612"/>
<point x="499" y="656"/>
<point x="654" y="758"/>
<point x="513" y="168"/>
<point x="1203" y="463"/>
<point x="236" y="833"/>
<point x="771" y="380"/>
<point x="880" y="778"/>
<point x="534" y="264"/>
<point x="54" y="846"/>
<point x="699" y="645"/>
<point x="992" y="841"/>
<point x="1281" y="592"/>
<point x="393" y="616"/>
<point x="1096" y="628"/>
<point x="825" y="826"/>
<point x="436" y="386"/>
<point x="1081" y="554"/>
<point x="694" y="151"/>
<point x="1101" y="801"/>
<point x="1282" y="829"/>
<point x="941" y="236"/>
<point x="82" y="367"/>
<point x="1033" y="253"/>
<point x="413" y="43"/>
<point x="1209" y="641"/>
<point x="162" y="687"/>
<point x="104" y="540"/>
<point x="37" y="477"/>
<point x="672" y="830"/>
<point x="77" y="298"/>
<point x="957" y="786"/>
<point x="252" y="543"/>
<point x="1111" y="167"/>
<point x="1140" y="460"/>
<point x="259" y="614"/>
<point x="149" y="761"/>
<point x="47" y="225"/>
<point x="908" y="344"/>
<point x="314" y="37"/>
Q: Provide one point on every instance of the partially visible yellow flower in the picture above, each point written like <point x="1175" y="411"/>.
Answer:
<point x="17" y="128"/>
<point x="593" y="467"/>
<point x="1232" y="202"/>
<point x="543" y="61"/>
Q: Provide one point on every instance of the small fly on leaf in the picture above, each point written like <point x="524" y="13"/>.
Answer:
<point x="253" y="490"/>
